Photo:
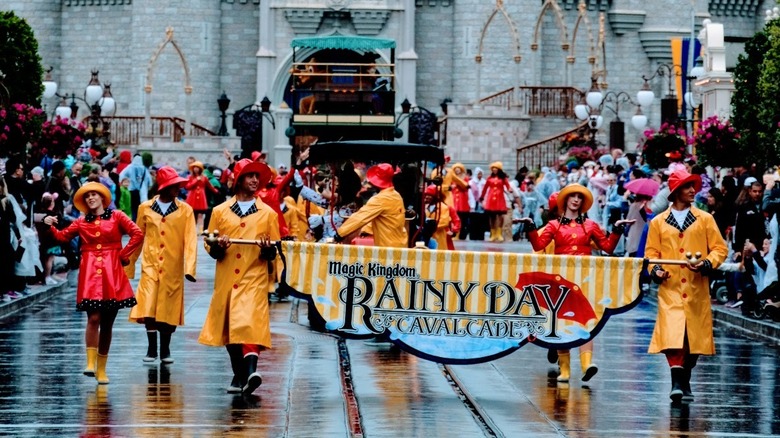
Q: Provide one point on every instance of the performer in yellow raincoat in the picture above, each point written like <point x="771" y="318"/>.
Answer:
<point x="683" y="330"/>
<point x="446" y="221"/>
<point x="169" y="256"/>
<point x="238" y="316"/>
<point x="384" y="211"/>
<point x="450" y="181"/>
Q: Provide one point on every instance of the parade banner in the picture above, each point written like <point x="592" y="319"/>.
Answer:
<point x="461" y="307"/>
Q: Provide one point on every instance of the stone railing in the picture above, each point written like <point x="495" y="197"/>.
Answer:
<point x="127" y="130"/>
<point x="544" y="152"/>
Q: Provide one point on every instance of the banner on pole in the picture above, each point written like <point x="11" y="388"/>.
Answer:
<point x="459" y="306"/>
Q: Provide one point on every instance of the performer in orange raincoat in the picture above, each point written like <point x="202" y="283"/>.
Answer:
<point x="384" y="211"/>
<point x="103" y="286"/>
<point x="572" y="234"/>
<point x="683" y="330"/>
<point x="238" y="315"/>
<point x="169" y="256"/>
<point x="444" y="221"/>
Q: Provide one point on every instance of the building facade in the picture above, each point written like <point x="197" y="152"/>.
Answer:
<point x="462" y="50"/>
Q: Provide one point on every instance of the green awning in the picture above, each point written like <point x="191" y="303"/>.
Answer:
<point x="343" y="42"/>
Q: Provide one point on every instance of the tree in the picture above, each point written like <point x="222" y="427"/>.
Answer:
<point x="20" y="66"/>
<point x="755" y="99"/>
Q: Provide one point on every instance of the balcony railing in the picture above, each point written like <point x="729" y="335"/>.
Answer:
<point x="127" y="130"/>
<point x="544" y="152"/>
<point x="538" y="101"/>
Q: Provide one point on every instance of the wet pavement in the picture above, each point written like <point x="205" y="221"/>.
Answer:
<point x="315" y="385"/>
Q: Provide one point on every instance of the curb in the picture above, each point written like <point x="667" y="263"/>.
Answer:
<point x="759" y="329"/>
<point x="37" y="294"/>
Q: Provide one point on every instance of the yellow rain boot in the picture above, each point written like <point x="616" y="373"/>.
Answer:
<point x="100" y="375"/>
<point x="493" y="235"/>
<point x="564" y="361"/>
<point x="588" y="369"/>
<point x="500" y="234"/>
<point x="91" y="362"/>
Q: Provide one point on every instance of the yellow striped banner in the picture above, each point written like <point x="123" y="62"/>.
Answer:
<point x="461" y="306"/>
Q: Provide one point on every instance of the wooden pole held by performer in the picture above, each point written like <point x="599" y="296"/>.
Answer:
<point x="212" y="238"/>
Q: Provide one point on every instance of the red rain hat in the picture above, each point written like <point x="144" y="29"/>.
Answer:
<point x="679" y="178"/>
<point x="247" y="166"/>
<point x="167" y="176"/>
<point x="381" y="175"/>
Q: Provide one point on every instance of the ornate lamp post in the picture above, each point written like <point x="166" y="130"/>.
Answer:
<point x="223" y="103"/>
<point x="97" y="97"/>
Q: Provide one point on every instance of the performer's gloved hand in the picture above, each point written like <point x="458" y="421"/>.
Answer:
<point x="217" y="252"/>
<point x="125" y="262"/>
<point x="268" y="253"/>
<point x="289" y="237"/>
<point x="337" y="238"/>
<point x="189" y="277"/>
<point x="659" y="275"/>
<point x="297" y="180"/>
<point x="528" y="223"/>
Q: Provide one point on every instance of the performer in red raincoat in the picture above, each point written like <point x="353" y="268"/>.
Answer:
<point x="493" y="200"/>
<point x="103" y="286"/>
<point x="573" y="234"/>
<point x="196" y="186"/>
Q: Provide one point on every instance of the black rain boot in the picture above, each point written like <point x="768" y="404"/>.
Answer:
<point x="552" y="355"/>
<point x="685" y="385"/>
<point x="151" y="351"/>
<point x="237" y="364"/>
<point x="255" y="379"/>
<point x="165" y="348"/>
<point x="677" y="377"/>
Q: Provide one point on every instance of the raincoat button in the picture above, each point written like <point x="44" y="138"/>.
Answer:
<point x="683" y="280"/>
<point x="98" y="246"/>
<point x="681" y="235"/>
<point x="162" y="245"/>
<point x="100" y="259"/>
<point x="163" y="220"/>
<point x="99" y="271"/>
<point x="237" y="271"/>
<point x="161" y="259"/>
<point x="243" y="225"/>
<point x="685" y="296"/>
<point x="238" y="256"/>
<point x="235" y="286"/>
<point x="97" y="234"/>
<point x="162" y="233"/>
<point x="574" y="236"/>
<point x="574" y="247"/>
<point x="682" y="250"/>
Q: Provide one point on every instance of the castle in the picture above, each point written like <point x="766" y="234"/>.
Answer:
<point x="461" y="50"/>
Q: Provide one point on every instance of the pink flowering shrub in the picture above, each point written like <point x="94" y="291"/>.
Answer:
<point x="59" y="138"/>
<point x="20" y="124"/>
<point x="666" y="145"/>
<point x="716" y="143"/>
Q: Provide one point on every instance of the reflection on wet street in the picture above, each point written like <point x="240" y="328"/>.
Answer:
<point x="313" y="387"/>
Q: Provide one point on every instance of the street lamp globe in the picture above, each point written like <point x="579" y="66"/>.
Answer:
<point x="639" y="120"/>
<point x="594" y="98"/>
<point x="698" y="70"/>
<point x="63" y="111"/>
<point x="49" y="86"/>
<point x="645" y="96"/>
<point x="691" y="99"/>
<point x="581" y="111"/>
<point x="94" y="91"/>
<point x="107" y="103"/>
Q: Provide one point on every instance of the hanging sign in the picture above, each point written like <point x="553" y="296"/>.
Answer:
<point x="459" y="306"/>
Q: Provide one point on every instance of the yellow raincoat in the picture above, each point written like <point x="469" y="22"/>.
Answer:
<point x="385" y="211"/>
<point x="169" y="253"/>
<point x="238" y="313"/>
<point x="684" y="298"/>
<point x="440" y="235"/>
<point x="291" y="218"/>
<point x="446" y="186"/>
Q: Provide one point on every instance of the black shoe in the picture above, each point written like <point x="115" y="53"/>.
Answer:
<point x="552" y="355"/>
<point x="235" y="386"/>
<point x="676" y="393"/>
